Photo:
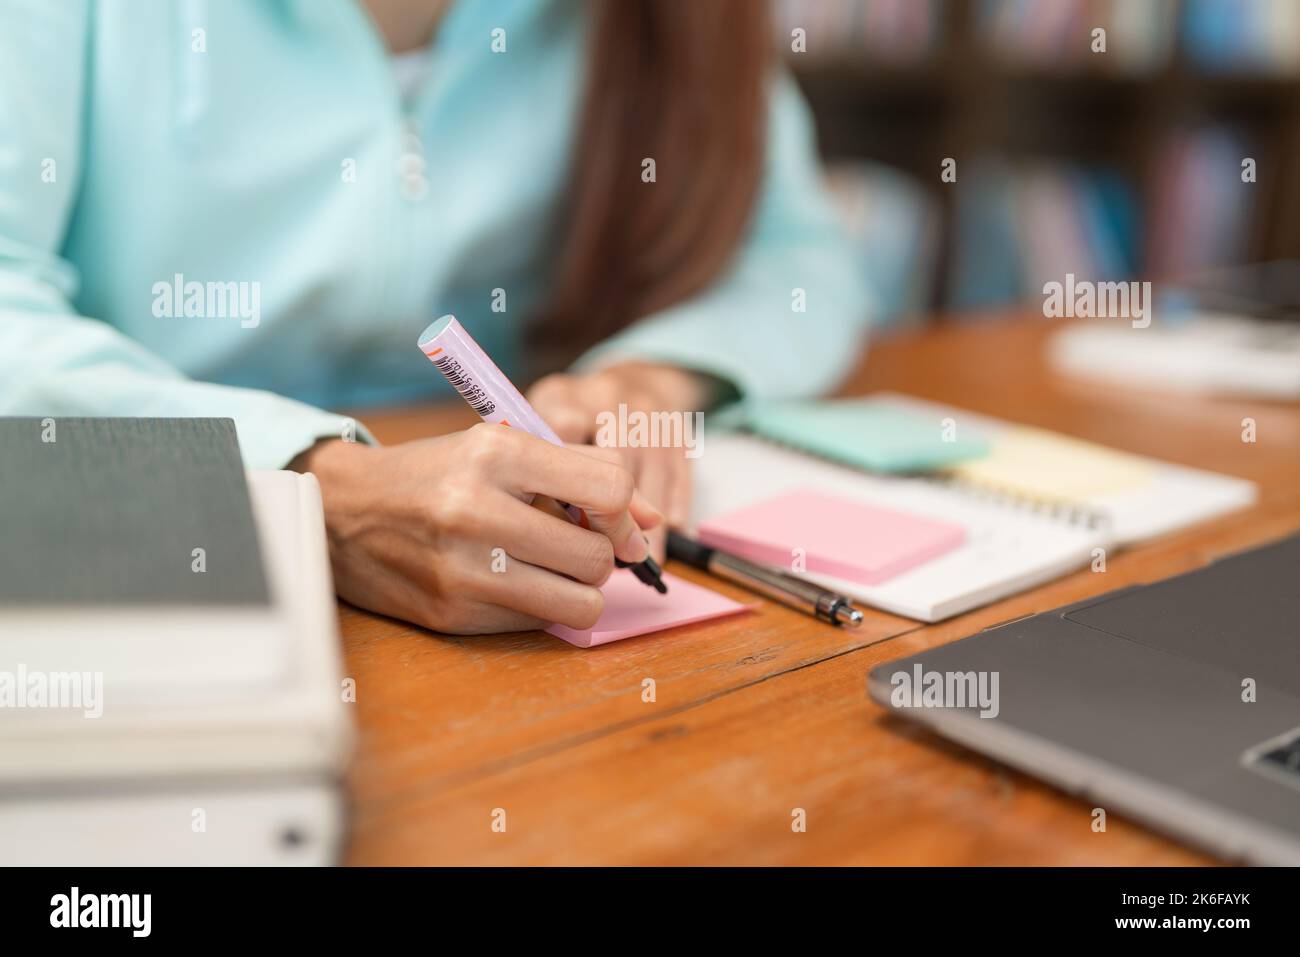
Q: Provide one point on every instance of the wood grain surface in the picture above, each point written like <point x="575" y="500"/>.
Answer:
<point x="761" y="714"/>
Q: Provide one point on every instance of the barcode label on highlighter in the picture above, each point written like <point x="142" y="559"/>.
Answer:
<point x="469" y="390"/>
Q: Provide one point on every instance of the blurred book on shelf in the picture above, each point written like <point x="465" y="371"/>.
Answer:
<point x="1141" y="36"/>
<point x="1060" y="34"/>
<point x="1127" y="164"/>
<point x="1201" y="208"/>
<point x="893" y="31"/>
<point x="1247" y="36"/>
<point x="1018" y="226"/>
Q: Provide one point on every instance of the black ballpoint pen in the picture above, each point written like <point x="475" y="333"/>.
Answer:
<point x="773" y="582"/>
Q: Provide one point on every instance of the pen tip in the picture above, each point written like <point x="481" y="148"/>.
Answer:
<point x="654" y="575"/>
<point x="647" y="571"/>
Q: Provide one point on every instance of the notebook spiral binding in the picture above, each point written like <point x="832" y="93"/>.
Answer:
<point x="1057" y="511"/>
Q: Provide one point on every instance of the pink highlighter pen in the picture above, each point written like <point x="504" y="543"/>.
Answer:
<point x="496" y="400"/>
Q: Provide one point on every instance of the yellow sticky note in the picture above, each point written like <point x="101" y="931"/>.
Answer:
<point x="1038" y="464"/>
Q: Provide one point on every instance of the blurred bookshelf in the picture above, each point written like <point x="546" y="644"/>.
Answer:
<point x="1125" y="163"/>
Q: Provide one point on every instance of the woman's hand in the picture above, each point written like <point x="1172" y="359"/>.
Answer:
<point x="439" y="531"/>
<point x="571" y="404"/>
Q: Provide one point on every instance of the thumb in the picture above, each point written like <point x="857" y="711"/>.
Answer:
<point x="645" y="514"/>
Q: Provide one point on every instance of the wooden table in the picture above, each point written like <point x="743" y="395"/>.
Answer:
<point x="761" y="714"/>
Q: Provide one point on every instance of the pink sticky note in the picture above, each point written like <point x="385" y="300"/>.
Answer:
<point x="632" y="608"/>
<point x="839" y="537"/>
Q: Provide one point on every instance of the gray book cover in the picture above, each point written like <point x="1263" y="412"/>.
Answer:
<point x="125" y="511"/>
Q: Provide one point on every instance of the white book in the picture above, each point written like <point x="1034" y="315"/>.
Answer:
<point x="189" y="824"/>
<point x="1213" y="354"/>
<point x="259" y="744"/>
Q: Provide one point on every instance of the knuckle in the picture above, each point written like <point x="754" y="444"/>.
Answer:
<point x="488" y="445"/>
<point x="453" y="508"/>
<point x="456" y="580"/>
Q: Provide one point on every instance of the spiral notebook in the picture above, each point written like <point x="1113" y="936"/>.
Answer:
<point x="1005" y="549"/>
<point x="1134" y="497"/>
<point x="1036" y="506"/>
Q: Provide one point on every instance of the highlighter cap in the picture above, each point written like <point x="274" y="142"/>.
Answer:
<point x="434" y="329"/>
<point x="476" y="377"/>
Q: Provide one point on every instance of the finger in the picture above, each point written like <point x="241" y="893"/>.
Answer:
<point x="548" y="541"/>
<point x="601" y="489"/>
<point x="681" y="492"/>
<point x="410" y="592"/>
<point x="483" y="619"/>
<point x="605" y="453"/>
<point x="653" y="480"/>
<point x="542" y="594"/>
<point x="646" y="513"/>
<point x="657" y="540"/>
<point x="653" y="473"/>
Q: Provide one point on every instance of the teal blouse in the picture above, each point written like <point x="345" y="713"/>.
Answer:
<point x="226" y="208"/>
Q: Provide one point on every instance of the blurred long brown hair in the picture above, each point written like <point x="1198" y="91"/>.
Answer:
<point x="682" y="82"/>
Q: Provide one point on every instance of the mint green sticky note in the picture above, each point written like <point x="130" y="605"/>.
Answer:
<point x="865" y="433"/>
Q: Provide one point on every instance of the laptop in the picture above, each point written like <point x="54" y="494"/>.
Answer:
<point x="1175" y="703"/>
